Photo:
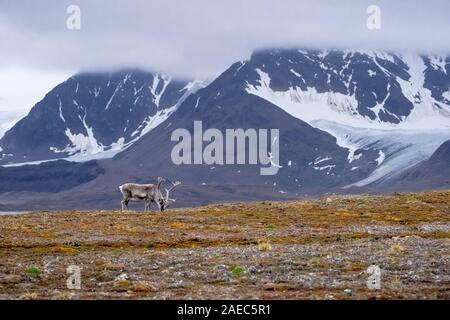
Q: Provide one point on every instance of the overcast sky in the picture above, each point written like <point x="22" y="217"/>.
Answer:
<point x="193" y="38"/>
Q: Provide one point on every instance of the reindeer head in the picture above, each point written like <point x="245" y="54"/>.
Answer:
<point x="165" y="202"/>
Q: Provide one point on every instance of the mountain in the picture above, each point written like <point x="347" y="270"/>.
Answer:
<point x="93" y="113"/>
<point x="10" y="117"/>
<point x="433" y="173"/>
<point x="349" y="121"/>
<point x="387" y="111"/>
<point x="311" y="159"/>
<point x="397" y="105"/>
<point x="368" y="89"/>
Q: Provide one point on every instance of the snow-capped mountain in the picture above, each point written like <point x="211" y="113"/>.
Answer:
<point x="397" y="105"/>
<point x="355" y="88"/>
<point x="388" y="111"/>
<point x="94" y="115"/>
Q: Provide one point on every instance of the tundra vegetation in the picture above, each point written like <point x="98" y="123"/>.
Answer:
<point x="312" y="249"/>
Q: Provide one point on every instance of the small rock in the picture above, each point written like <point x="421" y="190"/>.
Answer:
<point x="252" y="269"/>
<point x="221" y="267"/>
<point x="72" y="243"/>
<point x="121" y="277"/>
<point x="178" y="284"/>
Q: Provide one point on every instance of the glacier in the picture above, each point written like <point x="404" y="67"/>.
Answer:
<point x="399" y="150"/>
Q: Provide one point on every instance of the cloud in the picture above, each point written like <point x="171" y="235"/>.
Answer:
<point x="199" y="38"/>
<point x="22" y="88"/>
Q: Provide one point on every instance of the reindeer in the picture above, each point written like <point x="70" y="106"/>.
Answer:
<point x="166" y="202"/>
<point x="147" y="192"/>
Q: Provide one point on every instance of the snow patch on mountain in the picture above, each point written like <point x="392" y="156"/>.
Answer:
<point x="80" y="143"/>
<point x="381" y="157"/>
<point x="157" y="79"/>
<point x="153" y="121"/>
<point x="446" y="95"/>
<point x="310" y="105"/>
<point x="88" y="148"/>
<point x="438" y="63"/>
<point x="191" y="88"/>
<point x="321" y="163"/>
<point x="427" y="113"/>
<point x="118" y="87"/>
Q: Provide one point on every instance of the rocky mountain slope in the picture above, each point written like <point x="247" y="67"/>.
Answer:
<point x="92" y="113"/>
<point x="434" y="173"/>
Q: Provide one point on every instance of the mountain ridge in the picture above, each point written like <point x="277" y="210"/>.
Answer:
<point x="90" y="113"/>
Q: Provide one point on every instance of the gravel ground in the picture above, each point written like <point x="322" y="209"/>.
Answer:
<point x="317" y="249"/>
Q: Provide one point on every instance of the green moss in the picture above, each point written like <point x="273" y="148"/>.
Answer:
<point x="33" y="271"/>
<point x="237" y="271"/>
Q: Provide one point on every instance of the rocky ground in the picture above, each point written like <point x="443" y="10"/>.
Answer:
<point x="316" y="249"/>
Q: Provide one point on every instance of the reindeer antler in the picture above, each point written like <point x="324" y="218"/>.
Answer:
<point x="160" y="181"/>
<point x="174" y="184"/>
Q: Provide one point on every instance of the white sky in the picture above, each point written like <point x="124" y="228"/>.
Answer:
<point x="192" y="38"/>
<point x="21" y="88"/>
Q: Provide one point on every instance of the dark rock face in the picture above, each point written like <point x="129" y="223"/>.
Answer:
<point x="433" y="173"/>
<point x="54" y="176"/>
<point x="370" y="78"/>
<point x="90" y="113"/>
<point x="437" y="78"/>
<point x="441" y="158"/>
